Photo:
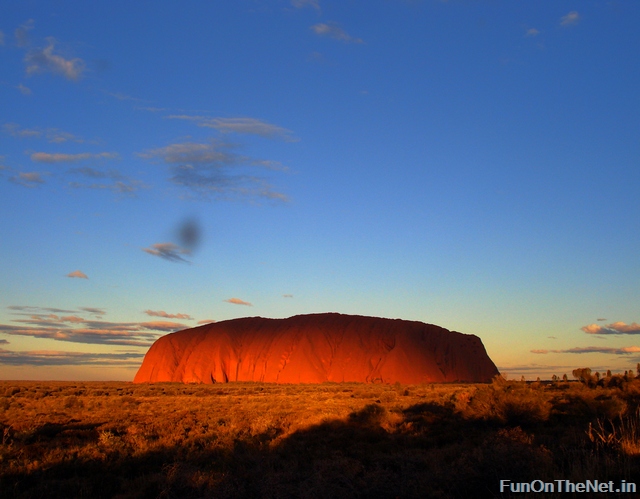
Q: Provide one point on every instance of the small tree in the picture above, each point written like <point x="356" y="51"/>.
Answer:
<point x="583" y="374"/>
<point x="565" y="377"/>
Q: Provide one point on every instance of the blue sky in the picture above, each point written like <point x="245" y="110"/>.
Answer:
<point x="467" y="164"/>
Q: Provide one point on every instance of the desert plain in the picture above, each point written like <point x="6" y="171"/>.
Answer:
<point x="248" y="439"/>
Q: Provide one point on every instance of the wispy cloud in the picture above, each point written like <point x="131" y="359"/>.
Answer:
<point x="238" y="301"/>
<point x="24" y="90"/>
<point x="162" y="313"/>
<point x="53" y="135"/>
<point x="44" y="60"/>
<point x="615" y="328"/>
<point x="168" y="251"/>
<point x="206" y="321"/>
<point x="78" y="329"/>
<point x="212" y="169"/>
<point x="16" y="130"/>
<point x="248" y="126"/>
<point x="287" y="296"/>
<point x="123" y="97"/>
<point x="58" y="358"/>
<point x="77" y="273"/>
<point x="45" y="157"/>
<point x="333" y="30"/>
<point x="120" y="184"/>
<point x="606" y="350"/>
<point x="128" y="187"/>
<point x="532" y="32"/>
<point x="299" y="4"/>
<point x="31" y="309"/>
<point x="214" y="152"/>
<point x="94" y="311"/>
<point x="21" y="33"/>
<point x="570" y="19"/>
<point x="31" y="179"/>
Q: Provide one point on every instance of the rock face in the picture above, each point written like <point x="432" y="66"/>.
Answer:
<point x="317" y="348"/>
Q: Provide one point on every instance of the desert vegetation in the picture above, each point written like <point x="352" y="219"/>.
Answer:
<point x="93" y="439"/>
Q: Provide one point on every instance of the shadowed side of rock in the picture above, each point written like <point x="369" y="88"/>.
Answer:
<point x="317" y="348"/>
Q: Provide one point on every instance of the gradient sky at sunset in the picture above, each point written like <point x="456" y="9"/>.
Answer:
<point x="470" y="164"/>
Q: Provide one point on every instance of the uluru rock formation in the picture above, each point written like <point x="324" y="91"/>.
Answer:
<point x="316" y="348"/>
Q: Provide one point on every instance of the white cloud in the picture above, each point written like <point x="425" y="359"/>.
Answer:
<point x="44" y="60"/>
<point x="333" y="30"/>
<point x="532" y="32"/>
<point x="571" y="18"/>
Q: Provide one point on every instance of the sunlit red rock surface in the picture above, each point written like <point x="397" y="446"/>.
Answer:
<point x="317" y="348"/>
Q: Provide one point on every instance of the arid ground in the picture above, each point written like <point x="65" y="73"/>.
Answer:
<point x="116" y="439"/>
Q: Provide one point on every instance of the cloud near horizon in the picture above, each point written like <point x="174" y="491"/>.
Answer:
<point x="605" y="350"/>
<point x="162" y="313"/>
<point x="61" y="358"/>
<point x="333" y="30"/>
<point x="614" y="328"/>
<point x="78" y="329"/>
<point x="238" y="301"/>
<point x="45" y="61"/>
<point x="78" y="274"/>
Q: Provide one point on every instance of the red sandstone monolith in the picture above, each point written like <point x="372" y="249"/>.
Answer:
<point x="317" y="348"/>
